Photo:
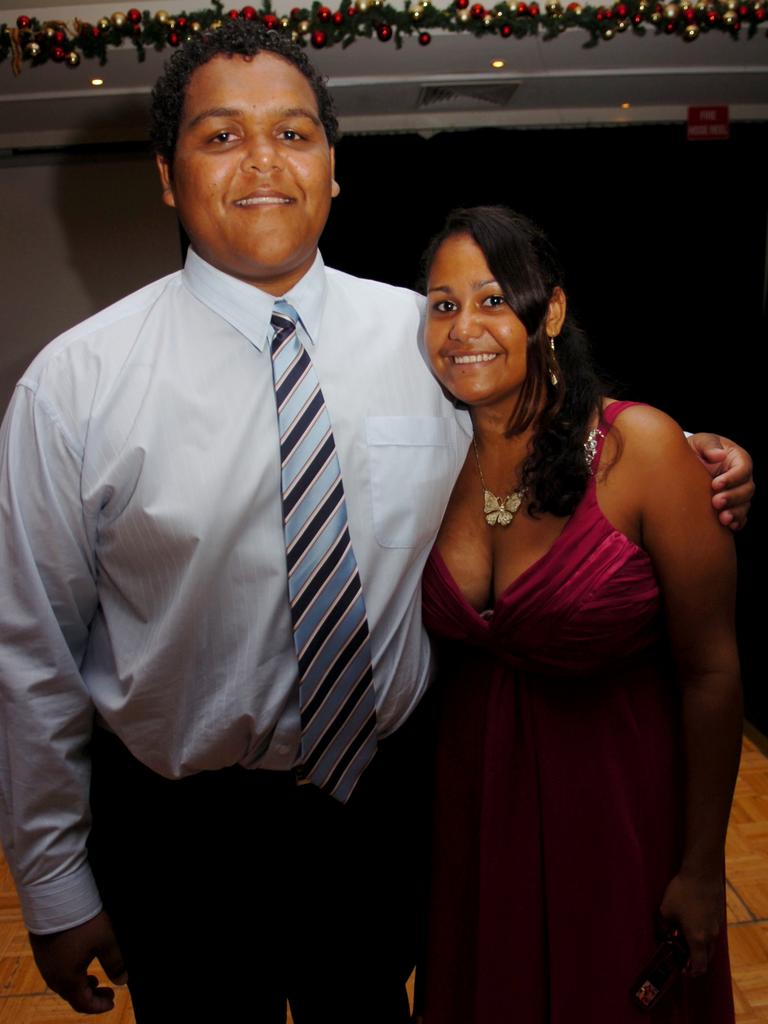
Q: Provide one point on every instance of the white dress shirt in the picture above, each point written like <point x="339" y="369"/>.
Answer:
<point x="142" y="556"/>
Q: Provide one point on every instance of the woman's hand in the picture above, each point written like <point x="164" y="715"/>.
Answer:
<point x="695" y="905"/>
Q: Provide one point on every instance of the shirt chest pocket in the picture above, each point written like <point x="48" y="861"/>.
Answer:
<point x="413" y="466"/>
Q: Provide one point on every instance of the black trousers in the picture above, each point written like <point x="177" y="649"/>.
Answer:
<point x="234" y="890"/>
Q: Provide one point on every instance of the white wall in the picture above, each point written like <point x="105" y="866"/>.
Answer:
<point x="77" y="233"/>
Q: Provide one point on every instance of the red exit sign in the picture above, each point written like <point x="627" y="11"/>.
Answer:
<point x="708" y="123"/>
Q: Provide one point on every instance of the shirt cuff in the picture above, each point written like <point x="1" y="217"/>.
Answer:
<point x="62" y="903"/>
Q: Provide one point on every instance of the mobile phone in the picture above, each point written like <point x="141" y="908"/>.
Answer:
<point x="661" y="972"/>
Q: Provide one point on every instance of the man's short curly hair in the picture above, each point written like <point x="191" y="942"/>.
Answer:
<point x="235" y="36"/>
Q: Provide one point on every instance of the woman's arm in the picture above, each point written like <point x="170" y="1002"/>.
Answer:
<point x="695" y="561"/>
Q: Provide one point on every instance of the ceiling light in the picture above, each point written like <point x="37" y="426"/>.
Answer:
<point x="497" y="64"/>
<point x="97" y="81"/>
<point x="626" y="106"/>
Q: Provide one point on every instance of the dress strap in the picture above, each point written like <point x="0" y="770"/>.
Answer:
<point x="606" y="422"/>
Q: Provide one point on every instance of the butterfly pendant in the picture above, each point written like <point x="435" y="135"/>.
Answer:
<point x="501" y="513"/>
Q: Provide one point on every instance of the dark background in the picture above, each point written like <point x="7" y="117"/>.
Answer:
<point x="664" y="245"/>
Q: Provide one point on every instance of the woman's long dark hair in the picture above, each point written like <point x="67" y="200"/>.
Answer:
<point x="525" y="265"/>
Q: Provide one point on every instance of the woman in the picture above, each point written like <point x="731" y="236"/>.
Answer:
<point x="591" y="714"/>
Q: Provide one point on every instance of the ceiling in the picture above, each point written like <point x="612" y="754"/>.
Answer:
<point x="448" y="84"/>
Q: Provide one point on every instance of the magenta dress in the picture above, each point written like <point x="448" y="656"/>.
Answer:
<point x="559" y="794"/>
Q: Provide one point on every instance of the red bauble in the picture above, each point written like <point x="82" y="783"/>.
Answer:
<point x="174" y="38"/>
<point x="425" y="38"/>
<point x="351" y="11"/>
<point x="318" y="39"/>
<point x="477" y="11"/>
<point x="134" y="16"/>
<point x="462" y="5"/>
<point x="384" y="32"/>
<point x="59" y="37"/>
<point x="600" y="16"/>
<point x="522" y="8"/>
<point x="249" y="13"/>
<point x="233" y="14"/>
<point x="296" y="13"/>
<point x="270" y="21"/>
<point x="690" y="15"/>
<point x="637" y="19"/>
<point x="338" y="18"/>
<point x="670" y="27"/>
<point x="58" y="53"/>
<point x="95" y="31"/>
<point x="324" y="13"/>
<point x="181" y="22"/>
<point x="759" y="14"/>
<point x="735" y="26"/>
<point x="621" y="10"/>
<point x="506" y="31"/>
<point x="534" y="10"/>
<point x="743" y="10"/>
<point x="712" y="17"/>
<point x="23" y="21"/>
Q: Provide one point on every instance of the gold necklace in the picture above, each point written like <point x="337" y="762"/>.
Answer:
<point x="498" y="511"/>
<point x="501" y="512"/>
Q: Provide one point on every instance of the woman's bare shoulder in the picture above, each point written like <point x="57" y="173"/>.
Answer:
<point x="646" y="433"/>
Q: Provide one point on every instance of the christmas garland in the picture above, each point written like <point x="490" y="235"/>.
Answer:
<point x="33" y="42"/>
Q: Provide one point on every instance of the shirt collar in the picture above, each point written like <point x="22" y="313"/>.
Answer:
<point x="247" y="308"/>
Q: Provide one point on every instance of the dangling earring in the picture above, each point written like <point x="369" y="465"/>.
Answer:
<point x="553" y="364"/>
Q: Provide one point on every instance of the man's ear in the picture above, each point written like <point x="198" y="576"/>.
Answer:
<point x="335" y="187"/>
<point x="164" y="170"/>
<point x="556" y="312"/>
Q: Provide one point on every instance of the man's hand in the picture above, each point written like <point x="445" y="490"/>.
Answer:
<point x="731" y="470"/>
<point x="63" y="960"/>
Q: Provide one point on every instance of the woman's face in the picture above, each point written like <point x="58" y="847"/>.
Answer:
<point x="476" y="344"/>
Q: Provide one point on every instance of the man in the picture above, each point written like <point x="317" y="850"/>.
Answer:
<point x="158" y="553"/>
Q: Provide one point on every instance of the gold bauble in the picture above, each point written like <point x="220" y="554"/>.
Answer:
<point x="416" y="14"/>
<point x="32" y="49"/>
<point x="730" y="17"/>
<point x="656" y="17"/>
<point x="702" y="6"/>
<point x="671" y="11"/>
<point x="362" y="5"/>
<point x="622" y="25"/>
<point x="488" y="20"/>
<point x="690" y="32"/>
<point x="50" y="31"/>
<point x="554" y="8"/>
<point x="161" y="16"/>
<point x="195" y="26"/>
<point x="171" y="23"/>
<point x="215" y="25"/>
<point x="462" y="16"/>
<point x="285" y="22"/>
<point x="608" y="33"/>
<point x="118" y="19"/>
<point x="303" y="27"/>
<point x="73" y="59"/>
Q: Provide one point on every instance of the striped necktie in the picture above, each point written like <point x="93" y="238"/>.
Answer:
<point x="330" y="628"/>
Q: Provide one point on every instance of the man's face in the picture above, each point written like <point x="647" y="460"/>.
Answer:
<point x="252" y="176"/>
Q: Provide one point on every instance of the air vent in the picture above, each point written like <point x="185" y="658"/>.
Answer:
<point x="466" y="95"/>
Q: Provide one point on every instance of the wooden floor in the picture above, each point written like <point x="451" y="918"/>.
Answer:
<point x="24" y="997"/>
